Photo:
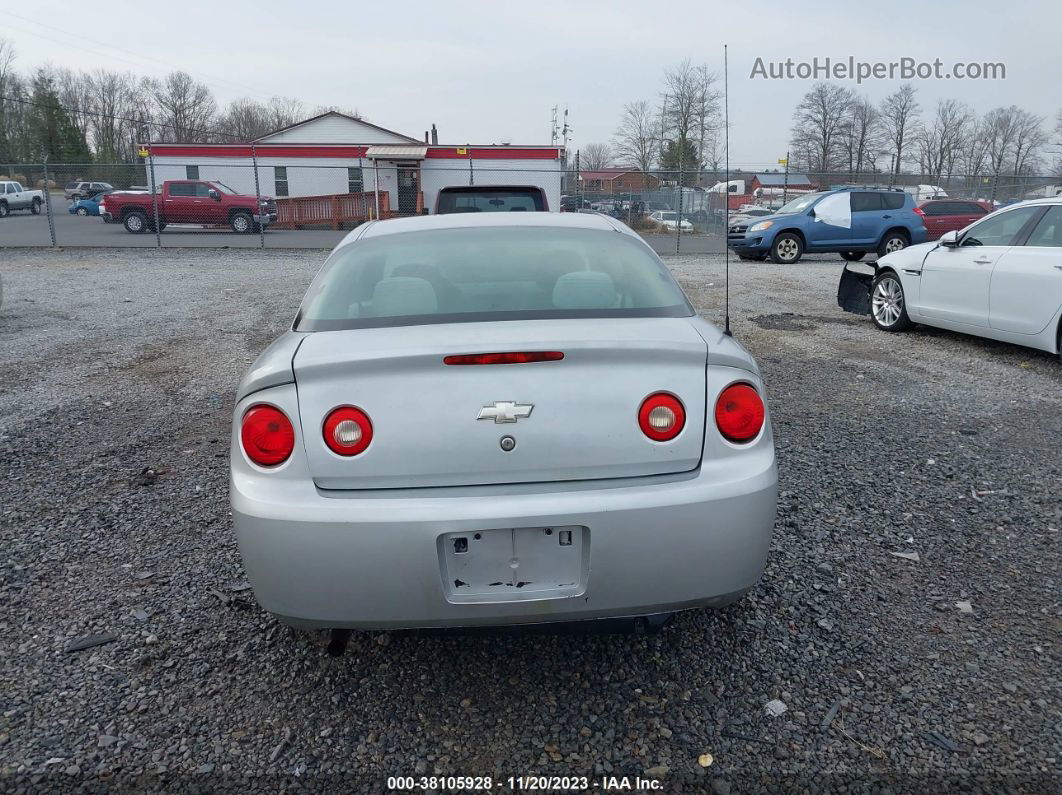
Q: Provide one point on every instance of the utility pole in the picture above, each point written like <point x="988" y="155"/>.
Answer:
<point x="785" y="181"/>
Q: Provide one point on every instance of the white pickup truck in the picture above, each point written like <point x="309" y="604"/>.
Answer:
<point x="14" y="197"/>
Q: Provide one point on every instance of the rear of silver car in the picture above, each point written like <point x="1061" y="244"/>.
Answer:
<point x="486" y="473"/>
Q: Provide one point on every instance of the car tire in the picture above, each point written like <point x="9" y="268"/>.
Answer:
<point x="853" y="256"/>
<point x="888" y="309"/>
<point x="787" y="249"/>
<point x="894" y="240"/>
<point x="35" y="208"/>
<point x="81" y="211"/>
<point x="241" y="223"/>
<point x="3" y="210"/>
<point x="135" y="223"/>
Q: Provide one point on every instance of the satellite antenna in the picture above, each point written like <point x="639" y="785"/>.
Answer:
<point x="726" y="186"/>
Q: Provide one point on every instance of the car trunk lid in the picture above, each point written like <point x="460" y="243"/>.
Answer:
<point x="572" y="419"/>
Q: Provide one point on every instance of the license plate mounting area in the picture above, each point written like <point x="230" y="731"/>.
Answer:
<point x="515" y="564"/>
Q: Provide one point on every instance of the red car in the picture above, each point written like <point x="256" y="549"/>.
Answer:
<point x="944" y="215"/>
<point x="190" y="202"/>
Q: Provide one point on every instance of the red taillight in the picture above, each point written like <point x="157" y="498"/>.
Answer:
<point x="739" y="413"/>
<point x="347" y="430"/>
<point x="661" y="417"/>
<point x="514" y="357"/>
<point x="920" y="211"/>
<point x="267" y="435"/>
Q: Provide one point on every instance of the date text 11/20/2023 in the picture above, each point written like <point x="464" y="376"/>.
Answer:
<point x="524" y="783"/>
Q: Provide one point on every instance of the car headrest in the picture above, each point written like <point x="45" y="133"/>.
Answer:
<point x="403" y="295"/>
<point x="584" y="290"/>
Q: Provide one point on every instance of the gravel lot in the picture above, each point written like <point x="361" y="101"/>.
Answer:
<point x="117" y="371"/>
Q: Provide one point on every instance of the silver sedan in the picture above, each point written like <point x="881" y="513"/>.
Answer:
<point x="499" y="419"/>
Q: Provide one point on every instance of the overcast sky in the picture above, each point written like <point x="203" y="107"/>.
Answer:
<point x="487" y="72"/>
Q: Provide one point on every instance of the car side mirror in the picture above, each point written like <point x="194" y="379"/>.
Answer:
<point x="950" y="239"/>
<point x="213" y="194"/>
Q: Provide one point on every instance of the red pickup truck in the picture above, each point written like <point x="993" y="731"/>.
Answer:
<point x="209" y="203"/>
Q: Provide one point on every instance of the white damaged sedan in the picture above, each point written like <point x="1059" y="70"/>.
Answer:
<point x="499" y="419"/>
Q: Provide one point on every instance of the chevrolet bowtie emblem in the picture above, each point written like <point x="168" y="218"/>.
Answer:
<point x="505" y="411"/>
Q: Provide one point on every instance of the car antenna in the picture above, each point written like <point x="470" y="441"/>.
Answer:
<point x="726" y="188"/>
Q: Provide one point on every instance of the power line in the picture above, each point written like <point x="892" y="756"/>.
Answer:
<point x="142" y="122"/>
<point x="110" y="49"/>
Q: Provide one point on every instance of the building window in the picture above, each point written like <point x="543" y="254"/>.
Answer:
<point x="354" y="180"/>
<point x="191" y="172"/>
<point x="280" y="176"/>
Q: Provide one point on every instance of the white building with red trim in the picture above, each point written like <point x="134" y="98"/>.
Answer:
<point x="334" y="154"/>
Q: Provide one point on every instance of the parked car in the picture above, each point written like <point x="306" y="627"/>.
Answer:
<point x="435" y="466"/>
<point x="80" y="190"/>
<point x="88" y="206"/>
<point x="947" y="215"/>
<point x="849" y="221"/>
<point x="670" y="221"/>
<point x="14" y="197"/>
<point x="1000" y="277"/>
<point x="491" y="199"/>
<point x="747" y="213"/>
<point x="570" y="204"/>
<point x="209" y="203"/>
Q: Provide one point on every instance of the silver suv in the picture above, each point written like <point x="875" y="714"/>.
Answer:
<point x="80" y="190"/>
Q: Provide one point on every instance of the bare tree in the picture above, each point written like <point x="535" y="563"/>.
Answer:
<point x="940" y="141"/>
<point x="860" y="136"/>
<point x="1058" y="144"/>
<point x="689" y="112"/>
<point x="110" y="95"/>
<point x="245" y="120"/>
<point x="818" y="122"/>
<point x="899" y="118"/>
<point x="75" y="97"/>
<point x="1029" y="139"/>
<point x="634" y="141"/>
<point x="283" y="112"/>
<point x="1000" y="130"/>
<point x="186" y="109"/>
<point x="595" y="157"/>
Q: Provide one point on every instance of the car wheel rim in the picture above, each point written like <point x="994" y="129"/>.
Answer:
<point x="82" y="211"/>
<point x="787" y="250"/>
<point x="895" y="244"/>
<point x="134" y="222"/>
<point x="887" y="303"/>
<point x="240" y="223"/>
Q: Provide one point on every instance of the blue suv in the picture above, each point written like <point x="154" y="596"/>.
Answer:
<point x="849" y="221"/>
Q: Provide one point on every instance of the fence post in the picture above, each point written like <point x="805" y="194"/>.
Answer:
<point x="376" y="185"/>
<point x="678" y="226"/>
<point x="48" y="204"/>
<point x="154" y="194"/>
<point x="258" y="197"/>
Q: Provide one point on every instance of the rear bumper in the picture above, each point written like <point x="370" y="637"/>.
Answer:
<point x="107" y="217"/>
<point x="373" y="561"/>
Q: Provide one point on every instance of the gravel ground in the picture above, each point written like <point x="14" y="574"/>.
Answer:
<point x="117" y="371"/>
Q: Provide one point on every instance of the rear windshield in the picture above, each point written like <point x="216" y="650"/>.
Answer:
<point x="484" y="274"/>
<point x="502" y="200"/>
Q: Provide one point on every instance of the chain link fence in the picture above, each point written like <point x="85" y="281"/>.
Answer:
<point x="268" y="203"/>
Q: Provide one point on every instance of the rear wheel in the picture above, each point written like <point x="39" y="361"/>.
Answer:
<point x="894" y="240"/>
<point x="241" y="222"/>
<point x="35" y="208"/>
<point x="135" y="222"/>
<point x="852" y="256"/>
<point x="887" y="306"/>
<point x="3" y="210"/>
<point x="82" y="211"/>
<point x="787" y="249"/>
